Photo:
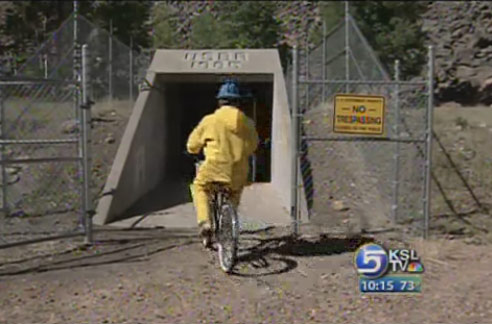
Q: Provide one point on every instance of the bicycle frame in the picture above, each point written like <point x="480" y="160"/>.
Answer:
<point x="217" y="199"/>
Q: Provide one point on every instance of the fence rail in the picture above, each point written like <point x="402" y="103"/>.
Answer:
<point x="38" y="141"/>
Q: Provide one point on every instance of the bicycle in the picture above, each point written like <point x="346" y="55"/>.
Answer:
<point x="225" y="223"/>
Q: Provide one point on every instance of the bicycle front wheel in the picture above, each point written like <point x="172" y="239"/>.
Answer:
<point x="228" y="235"/>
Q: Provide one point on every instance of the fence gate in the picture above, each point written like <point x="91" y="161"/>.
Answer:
<point x="44" y="160"/>
<point x="362" y="139"/>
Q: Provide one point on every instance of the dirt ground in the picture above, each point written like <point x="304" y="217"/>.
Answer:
<point x="462" y="165"/>
<point x="162" y="276"/>
<point x="154" y="276"/>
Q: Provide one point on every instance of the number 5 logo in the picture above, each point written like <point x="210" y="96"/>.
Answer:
<point x="371" y="260"/>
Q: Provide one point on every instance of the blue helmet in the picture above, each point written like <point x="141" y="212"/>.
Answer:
<point x="229" y="90"/>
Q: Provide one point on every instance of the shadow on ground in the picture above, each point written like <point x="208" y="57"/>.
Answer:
<point x="261" y="251"/>
<point x="163" y="196"/>
<point x="110" y="247"/>
<point x="268" y="253"/>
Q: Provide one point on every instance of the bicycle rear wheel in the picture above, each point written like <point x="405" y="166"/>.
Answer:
<point x="228" y="235"/>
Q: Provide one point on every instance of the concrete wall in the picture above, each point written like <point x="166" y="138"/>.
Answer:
<point x="151" y="149"/>
<point x="141" y="159"/>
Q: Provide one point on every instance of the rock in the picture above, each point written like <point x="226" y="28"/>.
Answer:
<point x="468" y="154"/>
<point x="110" y="139"/>
<point x="465" y="72"/>
<point x="486" y="84"/>
<point x="452" y="104"/>
<point x="461" y="34"/>
<point x="12" y="178"/>
<point x="13" y="170"/>
<point x="457" y="33"/>
<point x="70" y="127"/>
<point x="455" y="229"/>
<point x="18" y="213"/>
<point x="339" y="205"/>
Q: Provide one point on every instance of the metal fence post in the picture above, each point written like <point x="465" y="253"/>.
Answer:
<point x="306" y="75"/>
<point x="45" y="65"/>
<point x="396" y="130"/>
<point x="131" y="71"/>
<point x="294" y="141"/>
<point x="347" y="46"/>
<point x="85" y="130"/>
<point x="110" y="54"/>
<point x="323" y="67"/>
<point x="253" y="175"/>
<point x="428" y="162"/>
<point x="76" y="59"/>
<point x="5" y="206"/>
<point x="77" y="77"/>
<point x="15" y="64"/>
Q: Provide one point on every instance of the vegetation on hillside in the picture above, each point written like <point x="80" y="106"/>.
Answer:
<point x="393" y="28"/>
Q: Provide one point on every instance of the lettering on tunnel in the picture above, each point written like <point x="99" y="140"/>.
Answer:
<point x="215" y="60"/>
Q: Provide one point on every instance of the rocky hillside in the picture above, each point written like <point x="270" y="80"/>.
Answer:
<point x="295" y="17"/>
<point x="461" y="32"/>
<point x="462" y="35"/>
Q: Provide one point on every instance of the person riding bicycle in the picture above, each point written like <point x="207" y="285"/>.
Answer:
<point x="228" y="138"/>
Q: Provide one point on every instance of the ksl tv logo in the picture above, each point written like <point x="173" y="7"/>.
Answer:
<point x="373" y="261"/>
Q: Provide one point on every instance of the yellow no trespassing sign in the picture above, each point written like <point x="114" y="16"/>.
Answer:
<point x="359" y="114"/>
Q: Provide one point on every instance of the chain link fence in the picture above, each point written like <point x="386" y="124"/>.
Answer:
<point x="360" y="182"/>
<point x="116" y="68"/>
<point x="40" y="170"/>
<point x="43" y="152"/>
<point x="116" y="71"/>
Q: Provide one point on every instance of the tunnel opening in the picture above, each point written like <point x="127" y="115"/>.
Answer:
<point x="186" y="99"/>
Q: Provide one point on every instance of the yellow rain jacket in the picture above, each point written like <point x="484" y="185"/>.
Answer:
<point x="228" y="138"/>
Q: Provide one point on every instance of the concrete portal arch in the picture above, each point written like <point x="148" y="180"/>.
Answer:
<point x="149" y="173"/>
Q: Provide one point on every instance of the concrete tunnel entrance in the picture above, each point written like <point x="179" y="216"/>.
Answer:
<point x="186" y="102"/>
<point x="150" y="176"/>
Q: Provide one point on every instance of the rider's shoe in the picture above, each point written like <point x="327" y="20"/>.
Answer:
<point x="206" y="235"/>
